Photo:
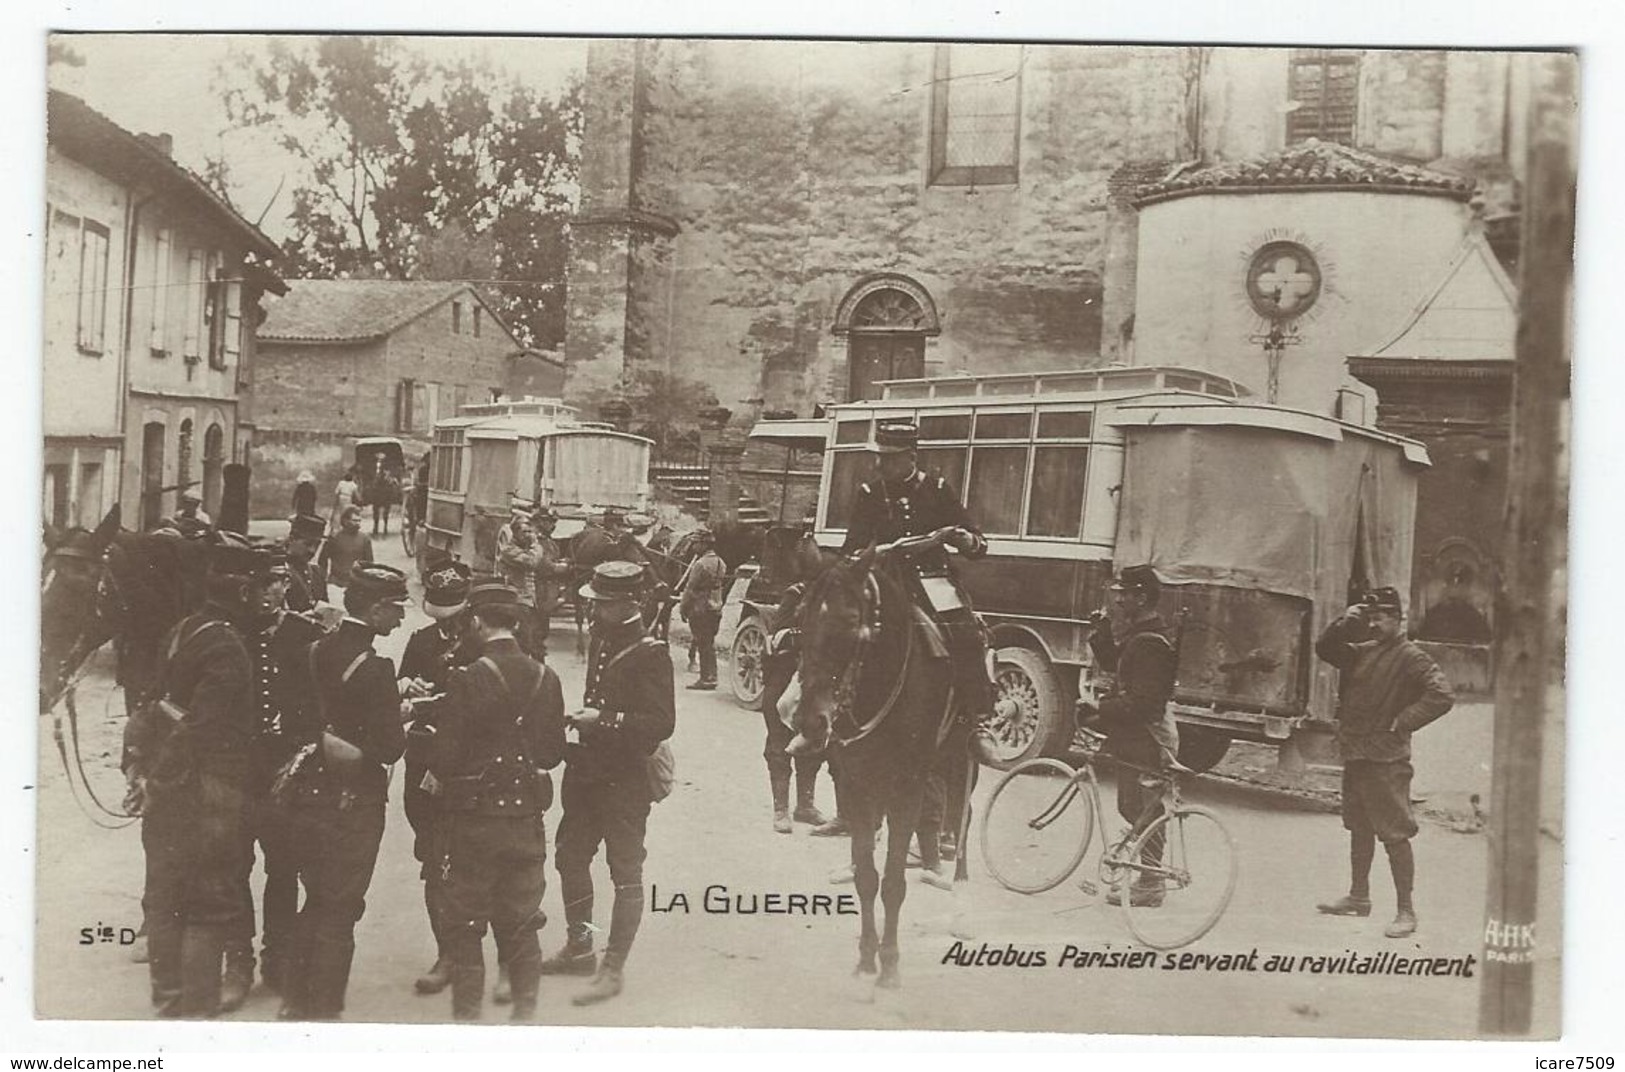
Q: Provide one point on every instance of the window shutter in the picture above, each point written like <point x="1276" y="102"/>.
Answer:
<point x="158" y="341"/>
<point x="194" y="304"/>
<point x="234" y="320"/>
<point x="404" y="396"/>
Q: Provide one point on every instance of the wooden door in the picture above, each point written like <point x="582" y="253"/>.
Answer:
<point x="889" y="356"/>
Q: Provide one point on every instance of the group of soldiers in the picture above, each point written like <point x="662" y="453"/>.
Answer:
<point x="274" y="727"/>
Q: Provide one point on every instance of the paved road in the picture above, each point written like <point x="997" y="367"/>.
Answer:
<point x="727" y="970"/>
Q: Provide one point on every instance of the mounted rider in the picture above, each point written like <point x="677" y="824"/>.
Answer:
<point x="902" y="501"/>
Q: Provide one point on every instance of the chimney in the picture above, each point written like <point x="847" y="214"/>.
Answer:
<point x="164" y="143"/>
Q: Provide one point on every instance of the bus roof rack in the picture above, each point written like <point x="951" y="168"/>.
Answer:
<point x="1105" y="380"/>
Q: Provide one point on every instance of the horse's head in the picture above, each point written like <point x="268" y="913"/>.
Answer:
<point x="70" y="579"/>
<point x="839" y="619"/>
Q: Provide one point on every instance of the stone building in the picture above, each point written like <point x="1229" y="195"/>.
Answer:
<point x="790" y="221"/>
<point x="342" y="359"/>
<point x="152" y="287"/>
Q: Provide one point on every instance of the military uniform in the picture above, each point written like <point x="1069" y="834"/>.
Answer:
<point x="778" y="669"/>
<point x="606" y="787"/>
<point x="280" y="650"/>
<point x="195" y="775"/>
<point x="702" y="607"/>
<point x="432" y="654"/>
<point x="337" y="832"/>
<point x="306" y="586"/>
<point x="501" y="728"/>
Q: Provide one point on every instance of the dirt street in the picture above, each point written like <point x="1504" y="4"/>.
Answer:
<point x="701" y="968"/>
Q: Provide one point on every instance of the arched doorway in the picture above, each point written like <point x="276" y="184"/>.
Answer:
<point x="152" y="475"/>
<point x="214" y="460"/>
<point x="886" y="319"/>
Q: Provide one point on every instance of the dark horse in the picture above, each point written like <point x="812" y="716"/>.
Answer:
<point x="871" y="689"/>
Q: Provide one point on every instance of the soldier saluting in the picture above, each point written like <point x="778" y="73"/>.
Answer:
<point x="339" y="828"/>
<point x="629" y="709"/>
<point x="501" y="728"/>
<point x="432" y="653"/>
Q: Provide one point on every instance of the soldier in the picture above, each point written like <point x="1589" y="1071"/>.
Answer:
<point x="345" y="548"/>
<point x="432" y="653"/>
<point x="1388" y="689"/>
<point x="189" y="765"/>
<point x="551" y="574"/>
<point x="1135" y="715"/>
<point x="629" y="709"/>
<point x="701" y="592"/>
<point x="778" y="670"/>
<point x="518" y="562"/>
<point x="306" y="587"/>
<point x="501" y="728"/>
<point x="279" y="643"/>
<point x="901" y="502"/>
<point x="338" y="834"/>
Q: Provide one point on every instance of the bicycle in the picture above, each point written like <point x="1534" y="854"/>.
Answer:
<point x="1169" y="898"/>
<point x="411" y="518"/>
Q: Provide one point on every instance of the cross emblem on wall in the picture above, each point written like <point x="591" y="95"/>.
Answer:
<point x="1283" y="280"/>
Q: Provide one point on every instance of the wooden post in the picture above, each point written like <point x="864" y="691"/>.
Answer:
<point x="1530" y="626"/>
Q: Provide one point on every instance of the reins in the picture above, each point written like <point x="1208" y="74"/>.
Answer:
<point x="847" y="681"/>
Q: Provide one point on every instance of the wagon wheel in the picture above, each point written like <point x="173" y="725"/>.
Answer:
<point x="1035" y="713"/>
<point x="747" y="663"/>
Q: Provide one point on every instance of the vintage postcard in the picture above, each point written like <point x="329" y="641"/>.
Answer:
<point x="935" y="535"/>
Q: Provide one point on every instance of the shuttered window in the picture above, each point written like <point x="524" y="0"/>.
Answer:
<point x="1324" y="86"/>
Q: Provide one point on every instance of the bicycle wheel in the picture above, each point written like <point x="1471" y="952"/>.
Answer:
<point x="1036" y="826"/>
<point x="1172" y="901"/>
<point x="409" y="538"/>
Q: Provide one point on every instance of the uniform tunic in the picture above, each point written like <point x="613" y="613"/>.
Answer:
<point x="1388" y="690"/>
<point x="501" y="729"/>
<point x="1136" y="712"/>
<point x="606" y="788"/>
<point x="338" y="834"/>
<point x="702" y="608"/>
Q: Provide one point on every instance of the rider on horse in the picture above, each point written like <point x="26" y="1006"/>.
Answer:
<point x="903" y="501"/>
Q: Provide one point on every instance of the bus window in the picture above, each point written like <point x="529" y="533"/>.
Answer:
<point x="997" y="477"/>
<point x="852" y="431"/>
<point x="946" y="462"/>
<point x="847" y="470"/>
<point x="1065" y="424"/>
<point x="949" y="426"/>
<point x="1004" y="425"/>
<point x="1056" y="505"/>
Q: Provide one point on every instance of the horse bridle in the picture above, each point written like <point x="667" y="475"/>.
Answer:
<point x="846" y="680"/>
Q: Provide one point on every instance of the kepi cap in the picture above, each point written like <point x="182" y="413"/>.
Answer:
<point x="896" y="437"/>
<point x="1385" y="598"/>
<point x="489" y="592"/>
<point x="306" y="527"/>
<point x="445" y="589"/>
<point x="614" y="580"/>
<point x="373" y="583"/>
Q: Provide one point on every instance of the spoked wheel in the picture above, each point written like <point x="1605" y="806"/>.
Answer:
<point x="409" y="538"/>
<point x="1037" y="826"/>
<point x="1174" y="897"/>
<point x="746" y="663"/>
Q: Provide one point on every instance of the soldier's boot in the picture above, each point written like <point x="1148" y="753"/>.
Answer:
<point x="164" y="965"/>
<point x="806" y="809"/>
<point x="202" y="948"/>
<point x="780" y="781"/>
<point x="575" y="957"/>
<point x="605" y="984"/>
<point x="239" y="977"/>
<point x="502" y="993"/>
<point x="436" y="979"/>
<point x="526" y="978"/>
<point x="836" y="827"/>
<point x="467" y="991"/>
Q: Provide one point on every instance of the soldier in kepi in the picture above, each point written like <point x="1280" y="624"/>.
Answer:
<point x="1389" y="688"/>
<point x="903" y="501"/>
<point x="189" y="771"/>
<point x="501" y="729"/>
<point x="629" y="708"/>
<point x="432" y="653"/>
<point x="278" y="642"/>
<point x="1132" y="642"/>
<point x="355" y="700"/>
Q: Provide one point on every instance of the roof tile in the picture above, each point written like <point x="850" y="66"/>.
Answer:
<point x="1312" y="163"/>
<point x="350" y="310"/>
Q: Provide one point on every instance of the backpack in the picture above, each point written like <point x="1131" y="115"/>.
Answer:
<point x="660" y="766"/>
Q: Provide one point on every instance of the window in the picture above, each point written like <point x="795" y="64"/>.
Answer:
<point x="194" y="305"/>
<point x="446" y="461"/>
<point x="405" y="405"/>
<point x="477" y="319"/>
<point x="849" y="469"/>
<point x="56" y="495"/>
<point x="997" y="477"/>
<point x="975" y="115"/>
<point x="158" y="335"/>
<point x="456" y="318"/>
<point x="92" y="287"/>
<point x="1324" y="87"/>
<point x="946" y="462"/>
<point x="1055" y="507"/>
<point x="90" y="494"/>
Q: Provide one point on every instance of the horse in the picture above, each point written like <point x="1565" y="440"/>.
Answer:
<point x="871" y="688"/>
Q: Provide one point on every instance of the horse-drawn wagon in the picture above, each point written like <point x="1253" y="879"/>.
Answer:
<point x="1260" y="520"/>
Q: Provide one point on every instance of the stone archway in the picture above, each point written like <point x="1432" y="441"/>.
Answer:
<point x="886" y="319"/>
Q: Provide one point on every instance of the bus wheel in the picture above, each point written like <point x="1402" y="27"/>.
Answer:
<point x="747" y="663"/>
<point x="1200" y="748"/>
<point x="1026" y="679"/>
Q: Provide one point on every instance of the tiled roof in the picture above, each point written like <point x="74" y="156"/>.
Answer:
<point x="350" y="310"/>
<point x="1309" y="165"/>
<point x="89" y="136"/>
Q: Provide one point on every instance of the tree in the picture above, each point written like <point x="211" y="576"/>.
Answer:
<point x="414" y="169"/>
<point x="664" y="406"/>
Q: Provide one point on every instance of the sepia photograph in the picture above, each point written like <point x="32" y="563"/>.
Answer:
<point x="945" y="535"/>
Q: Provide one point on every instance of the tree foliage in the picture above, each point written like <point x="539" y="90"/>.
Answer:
<point x="418" y="169"/>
